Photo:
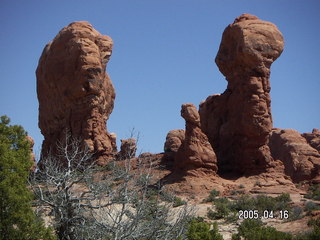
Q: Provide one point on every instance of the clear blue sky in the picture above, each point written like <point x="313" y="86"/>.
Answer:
<point x="163" y="56"/>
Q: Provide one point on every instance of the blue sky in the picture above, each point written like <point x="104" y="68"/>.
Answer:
<point x="163" y="56"/>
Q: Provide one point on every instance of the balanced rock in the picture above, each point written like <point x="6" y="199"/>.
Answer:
<point x="75" y="93"/>
<point x="301" y="161"/>
<point x="238" y="122"/>
<point x="195" y="153"/>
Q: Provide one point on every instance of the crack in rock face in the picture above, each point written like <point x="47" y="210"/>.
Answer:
<point x="74" y="90"/>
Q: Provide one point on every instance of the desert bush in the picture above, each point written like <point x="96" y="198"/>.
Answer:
<point x="313" y="192"/>
<point x="227" y="209"/>
<point x="222" y="209"/>
<point x="178" y="202"/>
<point x="262" y="202"/>
<point x="251" y="229"/>
<point x="310" y="206"/>
<point x="199" y="230"/>
<point x="296" y="212"/>
<point x="212" y="196"/>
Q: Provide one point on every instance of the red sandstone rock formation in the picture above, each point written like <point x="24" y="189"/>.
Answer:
<point x="313" y="138"/>
<point x="75" y="93"/>
<point x="238" y="122"/>
<point x="33" y="156"/>
<point x="172" y="144"/>
<point x="128" y="148"/>
<point x="173" y="140"/>
<point x="195" y="153"/>
<point x="301" y="161"/>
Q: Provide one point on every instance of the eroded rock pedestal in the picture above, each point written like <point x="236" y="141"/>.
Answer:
<point x="195" y="153"/>
<point x="238" y="122"/>
<point x="74" y="90"/>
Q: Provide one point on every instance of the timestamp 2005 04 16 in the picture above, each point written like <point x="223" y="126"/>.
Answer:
<point x="266" y="214"/>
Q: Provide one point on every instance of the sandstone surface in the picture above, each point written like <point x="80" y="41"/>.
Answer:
<point x="173" y="140"/>
<point x="301" y="161"/>
<point x="313" y="138"/>
<point x="238" y="122"/>
<point x="74" y="90"/>
<point x="195" y="153"/>
<point x="172" y="144"/>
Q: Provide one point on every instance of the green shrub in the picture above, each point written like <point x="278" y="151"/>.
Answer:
<point x="251" y="229"/>
<point x="313" y="192"/>
<point x="178" y="202"/>
<point x="223" y="208"/>
<point x="295" y="213"/>
<point x="310" y="206"/>
<point x="199" y="230"/>
<point x="212" y="196"/>
<point x="262" y="202"/>
<point x="243" y="203"/>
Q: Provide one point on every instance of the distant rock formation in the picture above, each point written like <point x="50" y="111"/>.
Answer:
<point x="238" y="122"/>
<point x="195" y="152"/>
<point x="32" y="155"/>
<point x="301" y="161"/>
<point x="128" y="148"/>
<point x="74" y="90"/>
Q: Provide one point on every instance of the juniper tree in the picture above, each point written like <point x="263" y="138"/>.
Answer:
<point x="17" y="219"/>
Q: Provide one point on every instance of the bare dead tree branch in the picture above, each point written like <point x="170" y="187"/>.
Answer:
<point x="114" y="202"/>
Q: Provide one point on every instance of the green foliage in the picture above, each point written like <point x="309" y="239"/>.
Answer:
<point x="17" y="219"/>
<point x="295" y="213"/>
<point x="310" y="206"/>
<point x="223" y="208"/>
<point x="178" y="202"/>
<point x="212" y="196"/>
<point x="228" y="210"/>
<point x="313" y="192"/>
<point x="254" y="230"/>
<point x="262" y="202"/>
<point x="199" y="230"/>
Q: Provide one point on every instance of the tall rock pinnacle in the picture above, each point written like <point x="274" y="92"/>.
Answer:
<point x="75" y="93"/>
<point x="195" y="155"/>
<point x="238" y="122"/>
